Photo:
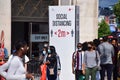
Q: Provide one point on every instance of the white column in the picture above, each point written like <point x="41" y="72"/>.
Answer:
<point x="65" y="2"/>
<point x="88" y="19"/>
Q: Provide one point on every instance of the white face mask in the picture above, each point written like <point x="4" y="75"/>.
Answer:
<point x="44" y="52"/>
<point x="79" y="49"/>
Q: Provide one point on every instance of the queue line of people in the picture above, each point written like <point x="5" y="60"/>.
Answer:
<point x="86" y="61"/>
<point x="97" y="61"/>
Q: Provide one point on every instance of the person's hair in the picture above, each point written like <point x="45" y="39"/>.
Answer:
<point x="53" y="50"/>
<point x="92" y="44"/>
<point x="105" y="38"/>
<point x="19" y="44"/>
<point x="114" y="39"/>
<point x="84" y="46"/>
<point x="79" y="44"/>
<point x="96" y="42"/>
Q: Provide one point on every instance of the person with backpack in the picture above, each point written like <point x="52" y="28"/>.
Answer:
<point x="77" y="63"/>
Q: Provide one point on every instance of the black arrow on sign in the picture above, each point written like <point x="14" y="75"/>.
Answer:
<point x="72" y="32"/>
<point x="51" y="33"/>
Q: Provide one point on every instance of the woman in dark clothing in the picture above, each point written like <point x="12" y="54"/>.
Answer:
<point x="115" y="46"/>
<point x="52" y="67"/>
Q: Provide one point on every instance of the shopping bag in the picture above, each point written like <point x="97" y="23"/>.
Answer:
<point x="43" y="68"/>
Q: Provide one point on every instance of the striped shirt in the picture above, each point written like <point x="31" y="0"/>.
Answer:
<point x="78" y="58"/>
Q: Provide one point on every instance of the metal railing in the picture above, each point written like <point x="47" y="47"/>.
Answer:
<point x="33" y="66"/>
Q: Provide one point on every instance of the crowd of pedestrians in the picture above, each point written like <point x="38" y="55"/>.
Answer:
<point x="17" y="66"/>
<point x="93" y="60"/>
<point x="97" y="60"/>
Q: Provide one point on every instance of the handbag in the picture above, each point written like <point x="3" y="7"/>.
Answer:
<point x="51" y="71"/>
<point x="43" y="68"/>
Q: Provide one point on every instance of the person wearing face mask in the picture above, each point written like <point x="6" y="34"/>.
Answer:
<point x="77" y="63"/>
<point x="91" y="61"/>
<point x="53" y="64"/>
<point x="43" y="53"/>
<point x="43" y="62"/>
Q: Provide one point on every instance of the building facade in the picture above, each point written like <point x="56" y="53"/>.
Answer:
<point x="28" y="20"/>
<point x="30" y="17"/>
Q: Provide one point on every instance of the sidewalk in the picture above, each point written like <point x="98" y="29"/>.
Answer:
<point x="38" y="78"/>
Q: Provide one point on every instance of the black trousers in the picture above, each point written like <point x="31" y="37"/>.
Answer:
<point x="106" y="68"/>
<point x="115" y="72"/>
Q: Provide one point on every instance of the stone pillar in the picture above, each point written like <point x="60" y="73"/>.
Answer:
<point x="88" y="17"/>
<point x="64" y="2"/>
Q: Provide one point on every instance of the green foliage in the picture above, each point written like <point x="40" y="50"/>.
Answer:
<point x="104" y="29"/>
<point x="116" y="10"/>
<point x="118" y="26"/>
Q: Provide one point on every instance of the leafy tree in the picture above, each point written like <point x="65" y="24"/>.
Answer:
<point x="116" y="10"/>
<point x="104" y="29"/>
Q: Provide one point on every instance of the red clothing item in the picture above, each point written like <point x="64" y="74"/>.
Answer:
<point x="1" y="53"/>
<point x="43" y="68"/>
<point x="1" y="63"/>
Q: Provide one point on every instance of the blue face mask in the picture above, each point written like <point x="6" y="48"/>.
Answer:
<point x="44" y="52"/>
<point x="49" y="51"/>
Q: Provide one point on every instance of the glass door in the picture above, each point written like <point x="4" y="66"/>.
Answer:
<point x="39" y="34"/>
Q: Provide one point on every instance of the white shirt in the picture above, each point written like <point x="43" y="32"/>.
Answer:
<point x="26" y="58"/>
<point x="11" y="64"/>
<point x="16" y="70"/>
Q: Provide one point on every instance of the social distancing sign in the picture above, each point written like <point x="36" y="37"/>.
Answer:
<point x="62" y="35"/>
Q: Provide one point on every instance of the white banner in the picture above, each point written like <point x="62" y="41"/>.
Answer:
<point x="5" y="24"/>
<point x="62" y="36"/>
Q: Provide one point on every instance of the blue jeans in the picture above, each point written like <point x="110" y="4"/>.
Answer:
<point x="108" y="68"/>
